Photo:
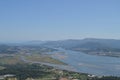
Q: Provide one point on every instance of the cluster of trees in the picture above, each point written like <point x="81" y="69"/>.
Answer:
<point x="24" y="71"/>
<point x="5" y="49"/>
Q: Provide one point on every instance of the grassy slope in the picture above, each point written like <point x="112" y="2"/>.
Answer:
<point x="33" y="57"/>
<point x="43" y="58"/>
<point x="10" y="60"/>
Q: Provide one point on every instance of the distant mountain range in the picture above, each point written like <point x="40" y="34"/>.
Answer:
<point x="85" y="43"/>
<point x="74" y="43"/>
<point x="89" y="45"/>
<point x="108" y="47"/>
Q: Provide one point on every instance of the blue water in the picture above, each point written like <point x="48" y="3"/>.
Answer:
<point x="92" y="64"/>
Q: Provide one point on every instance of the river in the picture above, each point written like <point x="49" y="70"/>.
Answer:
<point x="92" y="64"/>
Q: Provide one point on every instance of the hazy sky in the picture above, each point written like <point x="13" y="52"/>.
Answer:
<point x="22" y="20"/>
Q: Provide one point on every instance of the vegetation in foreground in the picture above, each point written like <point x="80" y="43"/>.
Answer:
<point x="42" y="72"/>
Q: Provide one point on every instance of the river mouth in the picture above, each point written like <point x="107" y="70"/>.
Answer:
<point x="91" y="64"/>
